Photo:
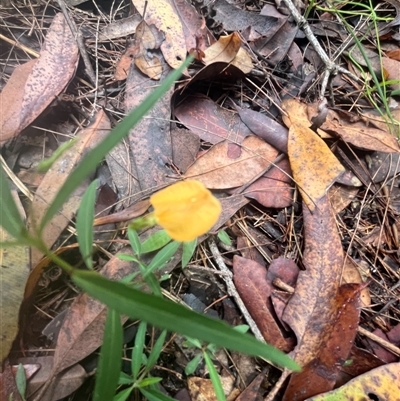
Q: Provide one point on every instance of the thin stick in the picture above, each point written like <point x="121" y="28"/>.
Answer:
<point x="331" y="67"/>
<point x="232" y="289"/>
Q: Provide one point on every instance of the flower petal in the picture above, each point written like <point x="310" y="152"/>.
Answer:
<point x="186" y="210"/>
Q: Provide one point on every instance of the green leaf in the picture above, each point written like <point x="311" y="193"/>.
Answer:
<point x="175" y="318"/>
<point x="123" y="395"/>
<point x="224" y="237"/>
<point x="156" y="351"/>
<point x="193" y="364"/>
<point x="215" y="380"/>
<point x="90" y="161"/>
<point x="110" y="360"/>
<point x="156" y="241"/>
<point x="163" y="256"/>
<point x="84" y="224"/>
<point x="10" y="218"/>
<point x="187" y="251"/>
<point x="125" y="378"/>
<point x="138" y="349"/>
<point x="154" y="395"/>
<point x="242" y="328"/>
<point x="20" y="381"/>
<point x="148" y="381"/>
<point x="135" y="241"/>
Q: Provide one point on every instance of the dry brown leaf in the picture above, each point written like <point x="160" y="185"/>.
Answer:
<point x="161" y="14"/>
<point x="196" y="33"/>
<point x="392" y="68"/>
<point x="311" y="308"/>
<point x="351" y="274"/>
<point x="217" y="170"/>
<point x="225" y="49"/>
<point x="228" y="50"/>
<point x="275" y="188"/>
<point x="314" y="166"/>
<point x="360" y="134"/>
<point x="56" y="177"/>
<point x="210" y="121"/>
<point x="39" y="82"/>
<point x="320" y="374"/>
<point x="255" y="290"/>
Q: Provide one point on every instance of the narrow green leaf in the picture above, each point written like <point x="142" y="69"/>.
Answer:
<point x="90" y="161"/>
<point x="138" y="349"/>
<point x="188" y="249"/>
<point x="148" y="381"/>
<point x="154" y="395"/>
<point x="163" y="256"/>
<point x="20" y="381"/>
<point x="124" y="394"/>
<point x="176" y="318"/>
<point x="44" y="165"/>
<point x="10" y="218"/>
<point x="84" y="224"/>
<point x="224" y="237"/>
<point x="214" y="376"/>
<point x="108" y="370"/>
<point x="135" y="241"/>
<point x="124" y="378"/>
<point x="156" y="351"/>
<point x="156" y="241"/>
<point x="193" y="364"/>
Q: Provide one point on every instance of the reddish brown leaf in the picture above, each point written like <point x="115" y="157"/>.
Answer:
<point x="254" y="289"/>
<point x="264" y="127"/>
<point x="360" y="134"/>
<point x="209" y="121"/>
<point x="312" y="307"/>
<point x="185" y="146"/>
<point x="12" y="95"/>
<point x="55" y="178"/>
<point x="320" y="374"/>
<point x="194" y="26"/>
<point x="382" y="353"/>
<point x="275" y="188"/>
<point x="136" y="210"/>
<point x="44" y="80"/>
<point x="219" y="167"/>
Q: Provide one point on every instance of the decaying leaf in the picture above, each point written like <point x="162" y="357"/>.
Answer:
<point x="255" y="291"/>
<point x="216" y="169"/>
<point x="275" y="188"/>
<point x="320" y="374"/>
<point x="360" y="134"/>
<point x="161" y="14"/>
<point x="228" y="50"/>
<point x="37" y="83"/>
<point x="382" y="383"/>
<point x="314" y="166"/>
<point x="211" y="122"/>
<point x="311" y="309"/>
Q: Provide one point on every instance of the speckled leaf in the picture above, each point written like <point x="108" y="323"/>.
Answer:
<point x="45" y="79"/>
<point x="382" y="383"/>
<point x="162" y="14"/>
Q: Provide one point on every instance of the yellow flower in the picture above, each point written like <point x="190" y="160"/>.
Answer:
<point x="185" y="210"/>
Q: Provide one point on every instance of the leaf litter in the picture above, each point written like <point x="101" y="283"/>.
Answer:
<point x="315" y="232"/>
